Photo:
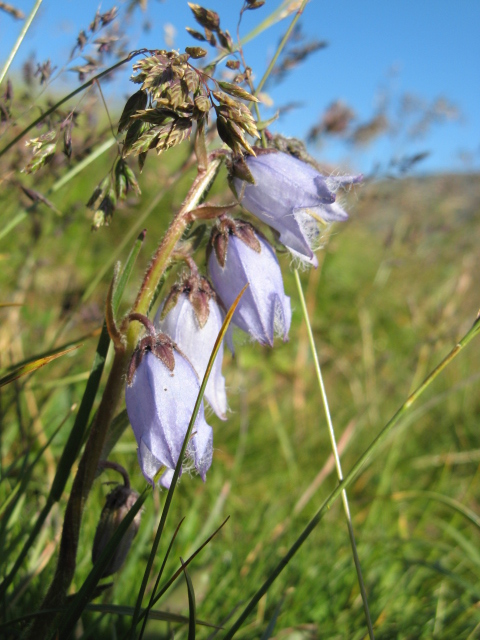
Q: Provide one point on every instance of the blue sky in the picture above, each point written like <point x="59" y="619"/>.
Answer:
<point x="430" y="48"/>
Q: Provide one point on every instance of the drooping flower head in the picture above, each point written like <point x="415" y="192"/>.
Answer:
<point x="191" y="316"/>
<point x="237" y="255"/>
<point x="160" y="396"/>
<point x="290" y="196"/>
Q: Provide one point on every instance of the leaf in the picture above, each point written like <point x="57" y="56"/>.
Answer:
<point x="33" y="366"/>
<point x="264" y="124"/>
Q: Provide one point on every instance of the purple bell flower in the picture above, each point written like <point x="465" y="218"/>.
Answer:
<point x="161" y="391"/>
<point x="290" y="196"/>
<point x="237" y="255"/>
<point x="191" y="316"/>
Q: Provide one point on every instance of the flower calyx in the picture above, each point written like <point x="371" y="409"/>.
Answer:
<point x="199" y="292"/>
<point x="238" y="168"/>
<point x="227" y="227"/>
<point x="157" y="342"/>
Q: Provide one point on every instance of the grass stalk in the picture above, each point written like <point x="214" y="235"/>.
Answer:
<point x="280" y="47"/>
<point x="66" y="98"/>
<point x="20" y="39"/>
<point x="333" y="442"/>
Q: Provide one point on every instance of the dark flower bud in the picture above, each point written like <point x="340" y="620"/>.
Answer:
<point x="117" y="505"/>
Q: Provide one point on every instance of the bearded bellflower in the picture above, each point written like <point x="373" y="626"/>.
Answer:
<point x="160" y="396"/>
<point x="237" y="255"/>
<point x="290" y="196"/>
<point x="191" y="316"/>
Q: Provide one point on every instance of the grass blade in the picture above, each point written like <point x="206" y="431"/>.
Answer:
<point x="159" y="577"/>
<point x="338" y="466"/>
<point x="20" y="39"/>
<point x="192" y="617"/>
<point x="177" y="573"/>
<point x="33" y="366"/>
<point x="467" y="513"/>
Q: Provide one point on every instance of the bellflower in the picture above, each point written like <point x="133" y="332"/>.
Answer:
<point x="239" y="255"/>
<point x="290" y="196"/>
<point x="161" y="391"/>
<point x="191" y="317"/>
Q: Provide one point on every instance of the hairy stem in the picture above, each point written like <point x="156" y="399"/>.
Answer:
<point x="82" y="484"/>
<point x="165" y="249"/>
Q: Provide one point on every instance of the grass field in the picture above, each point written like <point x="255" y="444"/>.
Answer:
<point x="396" y="289"/>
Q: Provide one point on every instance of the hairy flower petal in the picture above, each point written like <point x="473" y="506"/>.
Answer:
<point x="182" y="325"/>
<point x="264" y="308"/>
<point x="160" y="404"/>
<point x="291" y="196"/>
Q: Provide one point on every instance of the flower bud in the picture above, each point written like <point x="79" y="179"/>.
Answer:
<point x="117" y="505"/>
<point x="290" y="196"/>
<point x="240" y="255"/>
<point x="191" y="317"/>
<point x="162" y="388"/>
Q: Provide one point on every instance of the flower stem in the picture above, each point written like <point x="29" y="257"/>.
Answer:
<point x="82" y="484"/>
<point x="165" y="249"/>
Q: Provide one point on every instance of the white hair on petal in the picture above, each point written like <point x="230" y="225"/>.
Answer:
<point x="278" y="318"/>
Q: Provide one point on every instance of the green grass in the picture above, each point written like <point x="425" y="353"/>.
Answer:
<point x="396" y="289"/>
